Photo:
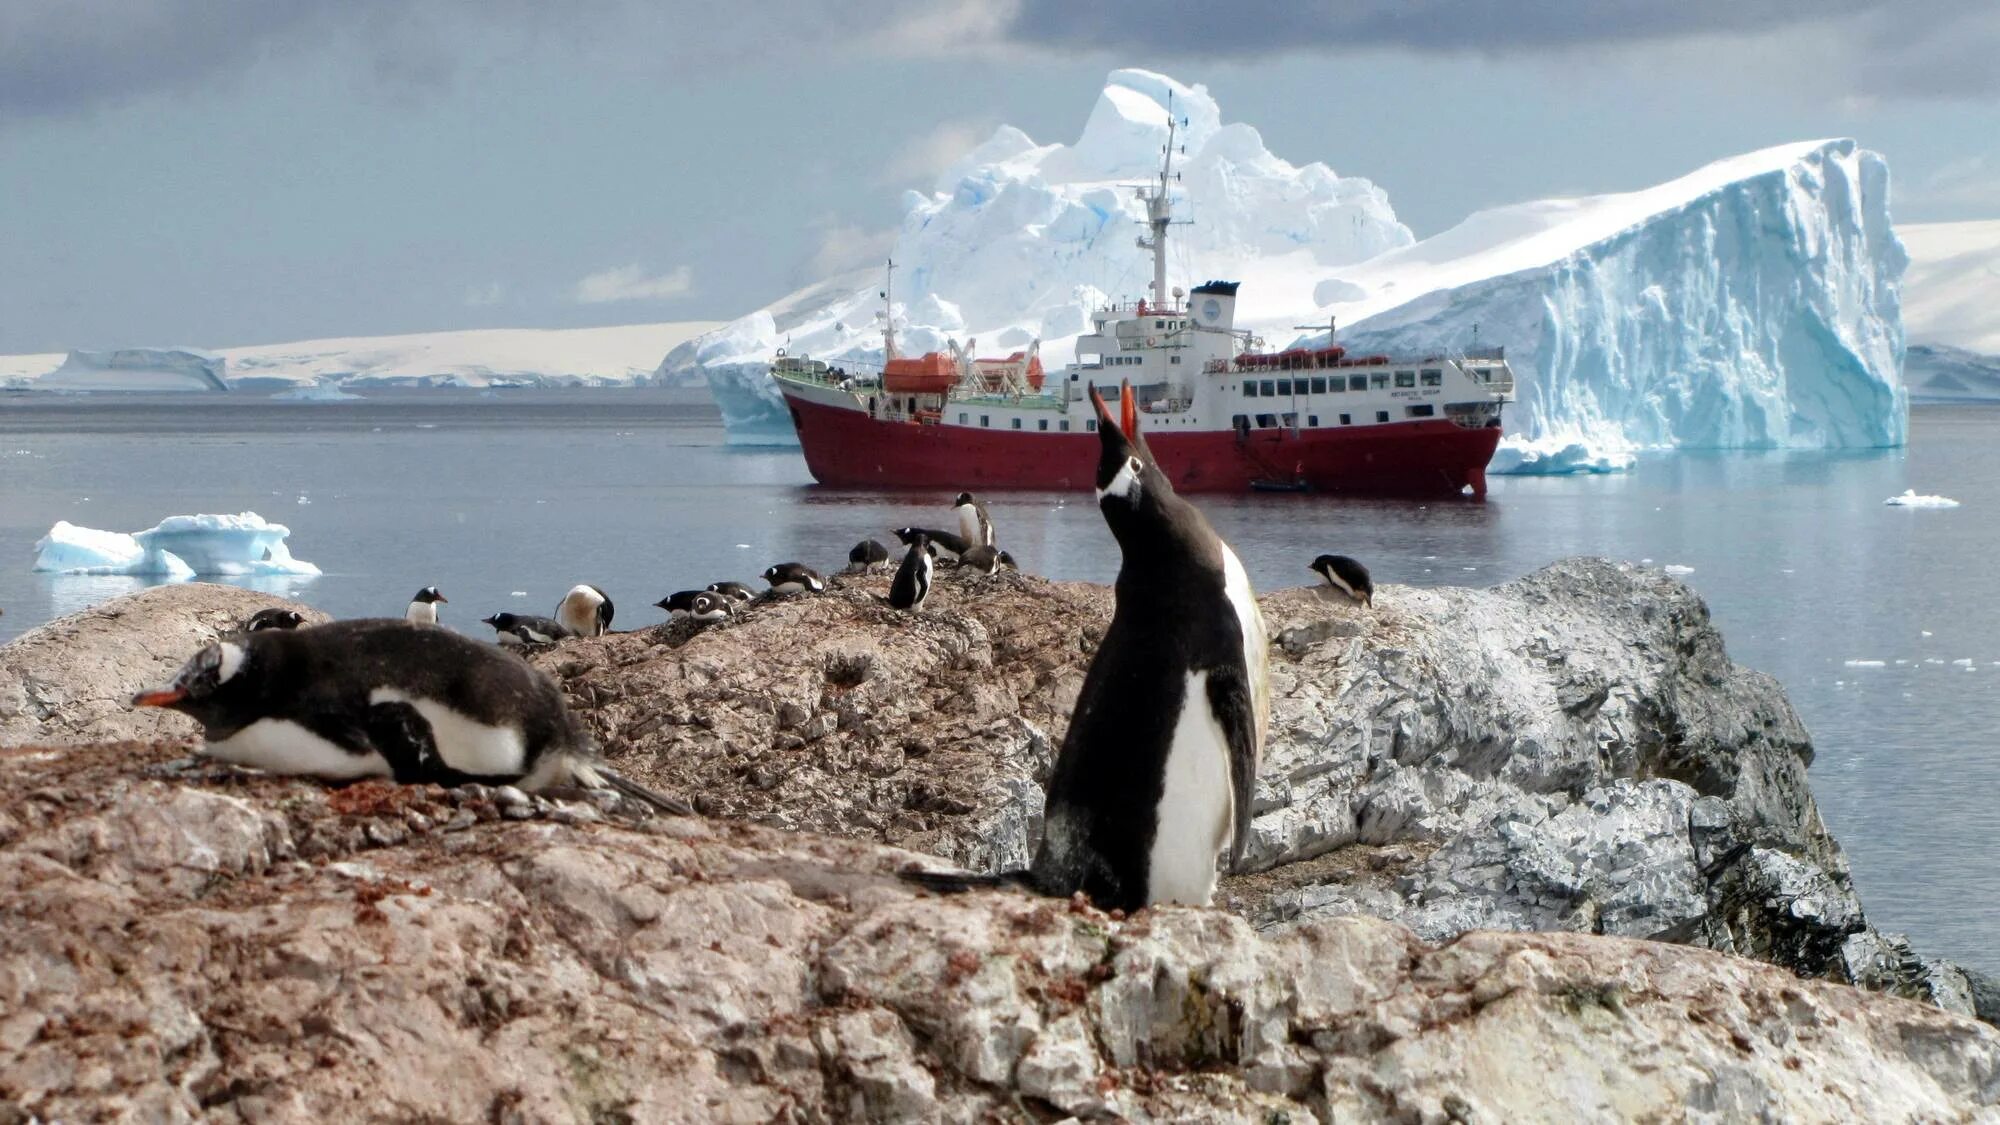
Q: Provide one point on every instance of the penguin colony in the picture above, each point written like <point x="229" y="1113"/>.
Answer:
<point x="1152" y="783"/>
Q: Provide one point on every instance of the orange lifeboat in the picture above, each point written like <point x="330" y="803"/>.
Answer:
<point x="932" y="373"/>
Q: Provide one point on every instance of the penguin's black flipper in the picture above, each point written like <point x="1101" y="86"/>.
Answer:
<point x="401" y="734"/>
<point x="959" y="882"/>
<point x="638" y="792"/>
<point x="1230" y="701"/>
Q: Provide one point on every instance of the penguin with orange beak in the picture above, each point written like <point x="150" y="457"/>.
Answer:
<point x="1156" y="774"/>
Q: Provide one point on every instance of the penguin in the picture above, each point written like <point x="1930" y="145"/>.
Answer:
<point x="974" y="524"/>
<point x="950" y="542"/>
<point x="424" y="607"/>
<point x="377" y="698"/>
<point x="708" y="607"/>
<point x="1156" y="772"/>
<point x="1007" y="561"/>
<point x="982" y="558"/>
<point x="680" y="603"/>
<point x="735" y="591"/>
<point x="585" y="611"/>
<point x="794" y="578"/>
<point x="913" y="578"/>
<point x="1347" y="576"/>
<point x="276" y="617"/>
<point x="518" y="630"/>
<point x="867" y="555"/>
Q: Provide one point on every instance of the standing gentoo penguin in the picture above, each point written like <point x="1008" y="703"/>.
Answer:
<point x="585" y="611"/>
<point x="1156" y="772"/>
<point x="913" y="578"/>
<point x="734" y="591"/>
<point x="947" y="541"/>
<point x="973" y="522"/>
<point x="794" y="578"/>
<point x="867" y="555"/>
<point x="519" y="629"/>
<point x="424" y="607"/>
<point x="679" y="603"/>
<point x="276" y="617"/>
<point x="376" y="698"/>
<point x="1347" y="576"/>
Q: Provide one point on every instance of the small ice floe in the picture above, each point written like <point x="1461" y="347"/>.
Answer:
<point x="1902" y="662"/>
<point x="305" y="499"/>
<point x="1932" y="660"/>
<point x="1645" y="562"/>
<point x="743" y="546"/>
<point x="1966" y="663"/>
<point x="1677" y="569"/>
<point x="1925" y="632"/>
<point x="1867" y="664"/>
<point x="517" y="593"/>
<point x="427" y="425"/>
<point x="1910" y="499"/>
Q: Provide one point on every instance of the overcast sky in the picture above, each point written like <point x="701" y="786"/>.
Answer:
<point x="221" y="172"/>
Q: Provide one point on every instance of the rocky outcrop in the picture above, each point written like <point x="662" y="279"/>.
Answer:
<point x="71" y="680"/>
<point x="181" y="943"/>
<point x="1570" y="751"/>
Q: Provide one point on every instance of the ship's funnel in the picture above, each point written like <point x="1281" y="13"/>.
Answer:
<point x="1213" y="305"/>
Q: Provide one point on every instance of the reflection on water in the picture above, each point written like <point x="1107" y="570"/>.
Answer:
<point x="1802" y="565"/>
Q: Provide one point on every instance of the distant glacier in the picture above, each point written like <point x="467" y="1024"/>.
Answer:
<point x="1751" y="303"/>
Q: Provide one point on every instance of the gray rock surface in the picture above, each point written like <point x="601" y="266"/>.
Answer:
<point x="70" y="680"/>
<point x="185" y="943"/>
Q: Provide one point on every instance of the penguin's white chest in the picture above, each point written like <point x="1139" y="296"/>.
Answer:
<point x="422" y="613"/>
<point x="283" y="746"/>
<point x="465" y="744"/>
<point x="1194" y="811"/>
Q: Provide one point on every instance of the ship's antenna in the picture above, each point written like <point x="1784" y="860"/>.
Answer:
<point x="1159" y="214"/>
<point x="889" y="312"/>
<point x="1315" y="328"/>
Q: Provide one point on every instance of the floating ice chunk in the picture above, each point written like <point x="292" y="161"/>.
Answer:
<point x="317" y="392"/>
<point x="1910" y="499"/>
<point x="1967" y="663"/>
<point x="1677" y="569"/>
<point x="517" y="593"/>
<point x="1867" y="664"/>
<point x="69" y="549"/>
<point x="1926" y="632"/>
<point x="1552" y="457"/>
<point x="226" y="546"/>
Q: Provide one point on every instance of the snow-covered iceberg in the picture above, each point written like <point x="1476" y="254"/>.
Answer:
<point x="1018" y="241"/>
<point x="1751" y="303"/>
<point x="1912" y="499"/>
<point x="138" y="369"/>
<point x="178" y="548"/>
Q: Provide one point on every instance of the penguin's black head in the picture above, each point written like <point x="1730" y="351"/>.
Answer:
<point x="682" y="600"/>
<point x="1007" y="561"/>
<point x="206" y="685"/>
<point x="274" y="618"/>
<point x="906" y="535"/>
<point x="501" y="621"/>
<point x="1130" y="485"/>
<point x="770" y="574"/>
<point x="963" y="499"/>
<point x="430" y="594"/>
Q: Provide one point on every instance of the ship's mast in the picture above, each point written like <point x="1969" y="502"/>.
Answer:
<point x="889" y="311"/>
<point x="1159" y="213"/>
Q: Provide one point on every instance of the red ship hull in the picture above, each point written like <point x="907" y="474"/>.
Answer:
<point x="847" y="448"/>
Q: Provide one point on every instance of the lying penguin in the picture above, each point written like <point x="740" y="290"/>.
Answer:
<point x="585" y="611"/>
<point x="379" y="698"/>
<point x="1156" y="771"/>
<point x="1347" y="576"/>
<point x="519" y="630"/>
<point x="276" y="617"/>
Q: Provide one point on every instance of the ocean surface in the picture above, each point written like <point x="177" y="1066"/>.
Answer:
<point x="506" y="499"/>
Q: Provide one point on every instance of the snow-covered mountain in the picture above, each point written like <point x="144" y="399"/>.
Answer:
<point x="477" y="357"/>
<point x="1750" y="303"/>
<point x="1951" y="310"/>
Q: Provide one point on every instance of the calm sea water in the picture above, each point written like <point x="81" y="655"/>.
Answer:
<point x="505" y="500"/>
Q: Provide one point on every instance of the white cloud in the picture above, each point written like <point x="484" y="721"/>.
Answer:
<point x="923" y="157"/>
<point x="632" y="283"/>
<point x="479" y="296"/>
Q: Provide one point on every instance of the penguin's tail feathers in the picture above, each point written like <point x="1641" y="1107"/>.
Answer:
<point x="959" y="882"/>
<point x="597" y="775"/>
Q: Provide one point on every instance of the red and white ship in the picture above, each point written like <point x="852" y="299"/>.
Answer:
<point x="1220" y="415"/>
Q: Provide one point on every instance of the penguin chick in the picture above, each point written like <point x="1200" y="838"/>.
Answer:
<point x="975" y="526"/>
<point x="516" y="630"/>
<point x="950" y="542"/>
<point x="984" y="559"/>
<point x="679" y="603"/>
<point x="708" y="607"/>
<point x="1347" y="576"/>
<point x="376" y="698"/>
<point x="735" y="591"/>
<point x="276" y="617"/>
<point x="794" y="578"/>
<point x="424" y="606"/>
<point x="1156" y="771"/>
<point x="585" y="611"/>
<point x="913" y="578"/>
<point x="867" y="555"/>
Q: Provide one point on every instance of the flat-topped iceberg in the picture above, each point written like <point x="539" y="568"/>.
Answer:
<point x="179" y="548"/>
<point x="323" y="391"/>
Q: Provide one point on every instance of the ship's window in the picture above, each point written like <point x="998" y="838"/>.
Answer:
<point x="1017" y="423"/>
<point x="982" y="419"/>
<point x="1249" y="388"/>
<point x="1270" y="389"/>
<point x="1240" y="423"/>
<point x="1284" y="388"/>
<point x="1337" y="384"/>
<point x="1074" y="376"/>
<point x="1173" y="359"/>
<point x="1420" y="410"/>
<point x="1267" y="421"/>
<point x="1063" y="425"/>
<point x="1159" y="324"/>
<point x="1090" y="424"/>
<point x="1406" y="378"/>
<point x="1379" y="380"/>
<point x="1357" y="382"/>
<point x="1381" y="416"/>
<point x="1319" y="385"/>
<point x="1347" y="419"/>
<point x="1433" y="377"/>
<point x="1312" y="420"/>
<point x="961" y="419"/>
<point x="1292" y="421"/>
<point x="1044" y="423"/>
